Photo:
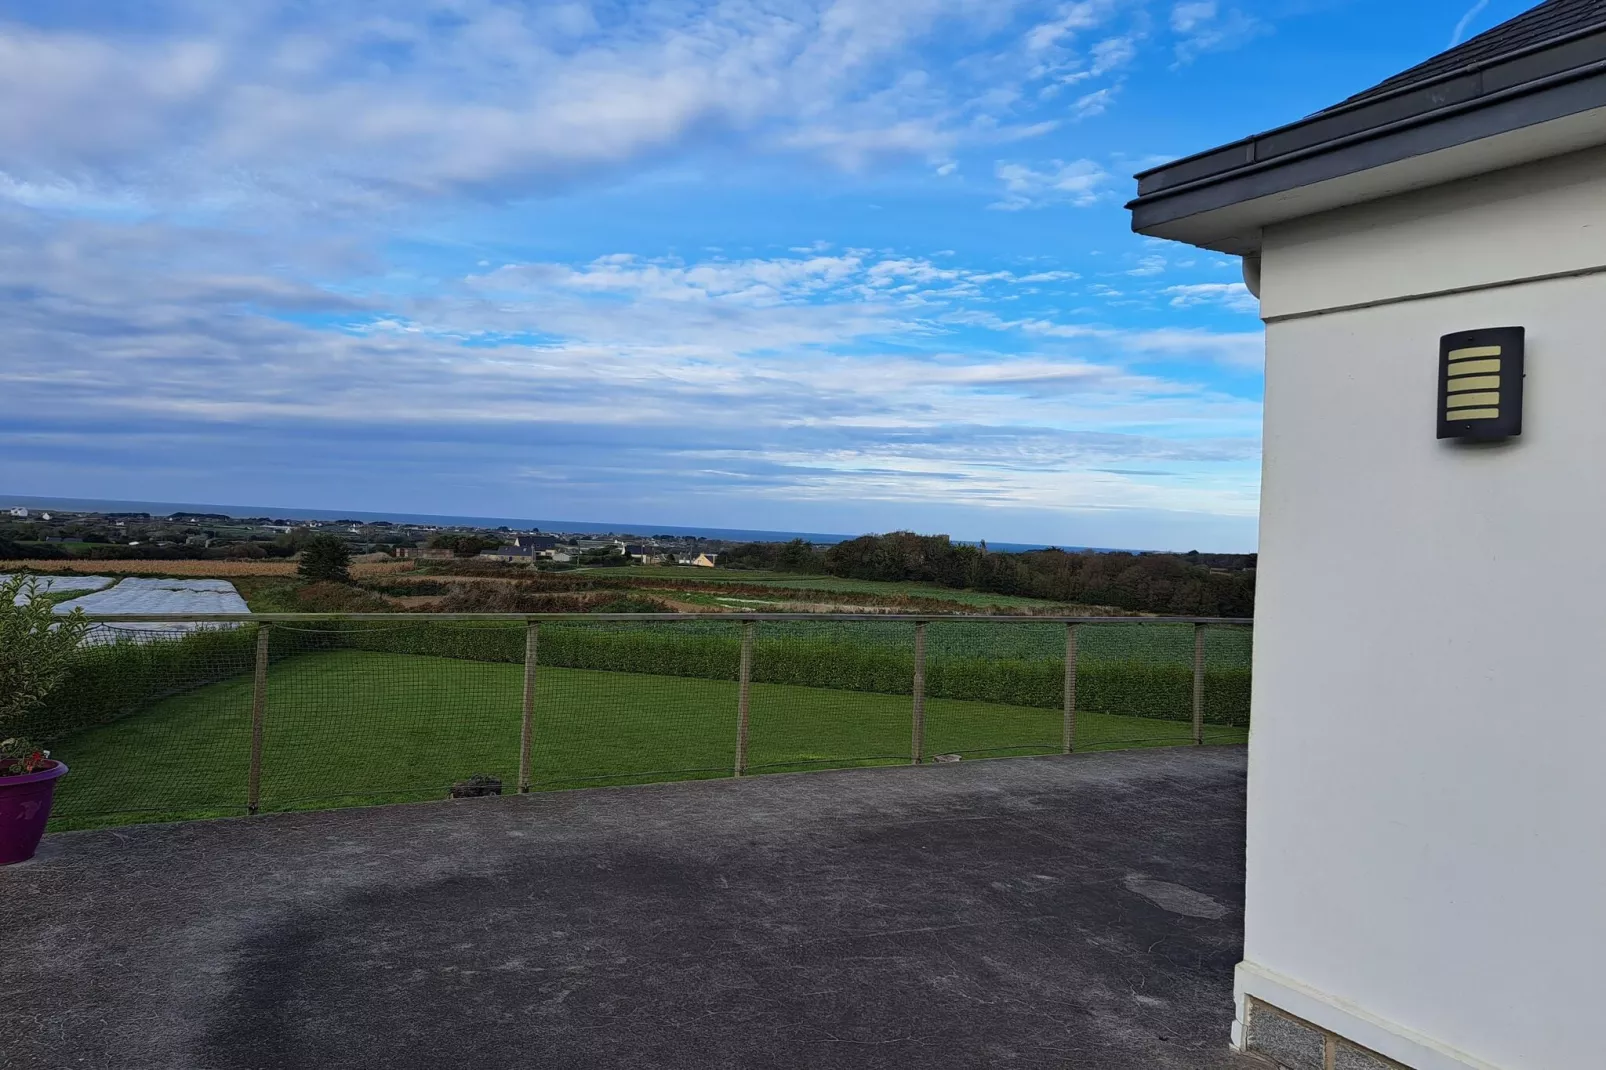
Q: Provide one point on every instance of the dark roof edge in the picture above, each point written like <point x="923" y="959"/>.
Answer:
<point x="1378" y="101"/>
<point x="1339" y="147"/>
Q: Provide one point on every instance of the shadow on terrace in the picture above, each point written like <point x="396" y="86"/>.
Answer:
<point x="1078" y="911"/>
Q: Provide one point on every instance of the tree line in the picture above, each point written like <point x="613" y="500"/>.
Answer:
<point x="1190" y="584"/>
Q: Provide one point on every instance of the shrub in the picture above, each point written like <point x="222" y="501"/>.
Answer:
<point x="327" y="597"/>
<point x="36" y="651"/>
<point x="537" y="597"/>
<point x="326" y="557"/>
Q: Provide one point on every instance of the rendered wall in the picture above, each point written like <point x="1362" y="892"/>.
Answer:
<point x="1427" y="788"/>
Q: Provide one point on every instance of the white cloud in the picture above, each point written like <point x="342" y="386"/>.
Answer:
<point x="1112" y="54"/>
<point x="1231" y="295"/>
<point x="1201" y="26"/>
<point x="1149" y="265"/>
<point x="1189" y="16"/>
<point x="1071" y="19"/>
<point x="202" y="262"/>
<point x="353" y="102"/>
<point x="1460" y="31"/>
<point x="1094" y="103"/>
<point x="1079" y="183"/>
<point x="771" y="375"/>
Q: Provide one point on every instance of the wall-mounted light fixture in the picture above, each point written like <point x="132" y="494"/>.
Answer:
<point x="1480" y="384"/>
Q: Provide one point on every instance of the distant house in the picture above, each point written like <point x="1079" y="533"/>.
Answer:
<point x="19" y="512"/>
<point x="705" y="560"/>
<point x="561" y="557"/>
<point x="417" y="554"/>
<point x="535" y="542"/>
<point x="510" y="554"/>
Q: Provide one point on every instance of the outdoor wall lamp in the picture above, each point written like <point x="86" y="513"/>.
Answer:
<point x="1480" y="384"/>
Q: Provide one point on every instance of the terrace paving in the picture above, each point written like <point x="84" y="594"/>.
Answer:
<point x="1077" y="911"/>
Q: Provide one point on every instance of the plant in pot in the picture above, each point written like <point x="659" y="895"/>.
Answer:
<point x="36" y="650"/>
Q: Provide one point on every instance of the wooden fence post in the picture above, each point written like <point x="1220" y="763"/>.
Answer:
<point x="532" y="638"/>
<point x="1070" y="688"/>
<point x="1198" y="683"/>
<point x="917" y="741"/>
<point x="259" y="710"/>
<point x="744" y="689"/>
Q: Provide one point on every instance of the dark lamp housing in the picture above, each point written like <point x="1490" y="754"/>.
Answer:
<point x="1480" y="384"/>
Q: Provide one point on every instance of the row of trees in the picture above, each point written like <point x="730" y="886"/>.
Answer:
<point x="794" y="556"/>
<point x="463" y="543"/>
<point x="1190" y="584"/>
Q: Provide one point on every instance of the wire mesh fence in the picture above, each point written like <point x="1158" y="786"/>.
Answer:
<point x="200" y="719"/>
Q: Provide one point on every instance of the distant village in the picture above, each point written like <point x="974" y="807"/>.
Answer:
<point x="33" y="533"/>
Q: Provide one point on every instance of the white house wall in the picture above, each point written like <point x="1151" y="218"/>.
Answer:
<point x="1526" y="222"/>
<point x="1427" y="811"/>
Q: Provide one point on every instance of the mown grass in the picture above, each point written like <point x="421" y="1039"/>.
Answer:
<point x="354" y="727"/>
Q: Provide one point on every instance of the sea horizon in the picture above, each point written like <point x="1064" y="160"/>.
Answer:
<point x="163" y="508"/>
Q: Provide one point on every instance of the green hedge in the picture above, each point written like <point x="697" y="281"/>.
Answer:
<point x="112" y="680"/>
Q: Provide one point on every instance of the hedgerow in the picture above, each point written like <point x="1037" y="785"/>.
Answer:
<point x="111" y="680"/>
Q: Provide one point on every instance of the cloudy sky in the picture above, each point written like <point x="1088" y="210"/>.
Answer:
<point x="821" y="265"/>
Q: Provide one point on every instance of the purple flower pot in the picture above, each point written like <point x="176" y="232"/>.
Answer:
<point x="24" y="809"/>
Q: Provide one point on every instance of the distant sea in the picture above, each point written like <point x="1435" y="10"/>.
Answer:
<point x="103" y="505"/>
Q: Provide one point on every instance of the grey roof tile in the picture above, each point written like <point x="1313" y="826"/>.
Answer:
<point x="1538" y="26"/>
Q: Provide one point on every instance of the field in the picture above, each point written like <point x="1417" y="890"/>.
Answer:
<point x="783" y="581"/>
<point x="221" y="569"/>
<point x="358" y="726"/>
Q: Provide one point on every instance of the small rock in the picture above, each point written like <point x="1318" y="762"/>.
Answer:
<point x="945" y="757"/>
<point x="476" y="786"/>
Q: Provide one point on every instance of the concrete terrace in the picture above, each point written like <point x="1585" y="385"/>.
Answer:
<point x="1055" y="912"/>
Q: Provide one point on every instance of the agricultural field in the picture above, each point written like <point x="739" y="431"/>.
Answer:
<point x="784" y="581"/>
<point x="346" y="727"/>
<point x="58" y="589"/>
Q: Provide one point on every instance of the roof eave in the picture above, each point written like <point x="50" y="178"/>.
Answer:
<point x="1225" y="211"/>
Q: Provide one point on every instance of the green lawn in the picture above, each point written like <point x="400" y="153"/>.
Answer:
<point x="354" y="727"/>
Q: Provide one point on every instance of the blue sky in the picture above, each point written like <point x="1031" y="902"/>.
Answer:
<point x="823" y="265"/>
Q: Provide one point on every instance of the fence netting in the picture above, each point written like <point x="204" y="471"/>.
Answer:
<point x="632" y="703"/>
<point x="157" y="722"/>
<point x="153" y="724"/>
<point x="830" y="693"/>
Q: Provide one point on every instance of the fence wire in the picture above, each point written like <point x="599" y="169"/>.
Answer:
<point x="830" y="694"/>
<point x="630" y="703"/>
<point x="170" y="723"/>
<point x="388" y="713"/>
<point x="154" y="724"/>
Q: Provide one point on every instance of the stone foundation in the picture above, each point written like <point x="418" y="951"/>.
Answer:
<point x="1294" y="1044"/>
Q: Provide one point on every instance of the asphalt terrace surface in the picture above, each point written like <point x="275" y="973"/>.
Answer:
<point x="1080" y="912"/>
